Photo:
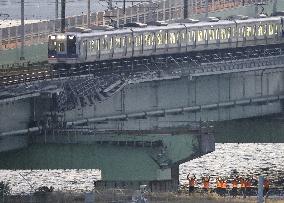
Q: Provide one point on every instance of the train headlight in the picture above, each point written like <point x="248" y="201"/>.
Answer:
<point x="52" y="37"/>
<point x="61" y="37"/>
<point x="71" y="37"/>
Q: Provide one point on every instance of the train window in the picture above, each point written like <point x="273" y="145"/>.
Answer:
<point x="104" y="43"/>
<point x="233" y="32"/>
<point x="193" y="36"/>
<point x="61" y="47"/>
<point x="110" y="44"/>
<point x="217" y="34"/>
<point x="166" y="37"/>
<point x="56" y="45"/>
<point x="249" y="31"/>
<point x="200" y="35"/>
<point x="98" y="44"/>
<point x="261" y="30"/>
<point x="138" y="40"/>
<point x="241" y="32"/>
<point x="52" y="45"/>
<point x="129" y="41"/>
<point x="189" y="36"/>
<point x="277" y="28"/>
<point x="92" y="46"/>
<point x="223" y="33"/>
<point x="270" y="29"/>
<point x="123" y="41"/>
<point x="178" y="37"/>
<point x="159" y="38"/>
<point x="211" y="34"/>
<point x="183" y="36"/>
<point x="172" y="38"/>
<point x="229" y="32"/>
<point x="117" y="42"/>
<point x="149" y="39"/>
<point x="206" y="35"/>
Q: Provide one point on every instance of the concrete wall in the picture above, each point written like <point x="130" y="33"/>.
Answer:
<point x="117" y="162"/>
<point x="184" y="92"/>
<point x="15" y="115"/>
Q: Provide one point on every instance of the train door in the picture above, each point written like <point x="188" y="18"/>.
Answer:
<point x="138" y="43"/>
<point x="148" y="43"/>
<point x="97" y="48"/>
<point x="183" y="40"/>
<point x="193" y="33"/>
<point x="160" y="41"/>
<point x="106" y="44"/>
<point x="225" y="35"/>
<point x="249" y="34"/>
<point x="129" y="51"/>
<point x="212" y="40"/>
<point x="282" y="27"/>
<point x="241" y="35"/>
<point x="189" y="39"/>
<point x="71" y="46"/>
<point x="119" y="46"/>
<point x="260" y="33"/>
<point x="84" y="52"/>
<point x="173" y="41"/>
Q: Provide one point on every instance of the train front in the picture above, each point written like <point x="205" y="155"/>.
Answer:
<point x="62" y="49"/>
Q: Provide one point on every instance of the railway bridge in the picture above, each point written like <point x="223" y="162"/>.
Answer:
<point x="138" y="119"/>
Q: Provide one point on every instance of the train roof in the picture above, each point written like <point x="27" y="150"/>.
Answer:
<point x="172" y="26"/>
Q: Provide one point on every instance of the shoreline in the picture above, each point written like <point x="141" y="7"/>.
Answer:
<point x="125" y="196"/>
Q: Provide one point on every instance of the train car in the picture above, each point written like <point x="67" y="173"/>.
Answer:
<point x="88" y="46"/>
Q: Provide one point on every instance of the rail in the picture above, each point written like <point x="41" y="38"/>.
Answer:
<point x="178" y="65"/>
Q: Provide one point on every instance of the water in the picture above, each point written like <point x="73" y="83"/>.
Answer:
<point x="243" y="159"/>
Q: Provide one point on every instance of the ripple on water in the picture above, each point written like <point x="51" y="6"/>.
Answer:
<point x="226" y="161"/>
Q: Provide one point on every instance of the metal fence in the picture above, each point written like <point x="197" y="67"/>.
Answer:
<point x="162" y="10"/>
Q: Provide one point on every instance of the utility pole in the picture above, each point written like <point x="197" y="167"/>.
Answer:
<point x="63" y="15"/>
<point x="124" y="6"/>
<point x="89" y="13"/>
<point x="207" y="9"/>
<point x="22" y="57"/>
<point x="185" y="9"/>
<point x="56" y="9"/>
<point x="110" y="7"/>
<point x="274" y="7"/>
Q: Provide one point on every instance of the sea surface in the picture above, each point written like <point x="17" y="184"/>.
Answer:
<point x="227" y="161"/>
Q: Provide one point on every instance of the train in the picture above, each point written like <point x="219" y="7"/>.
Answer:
<point x="80" y="46"/>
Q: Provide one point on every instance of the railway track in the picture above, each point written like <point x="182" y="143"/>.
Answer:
<point x="191" y="61"/>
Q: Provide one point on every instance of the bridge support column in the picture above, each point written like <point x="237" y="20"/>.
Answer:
<point x="126" y="159"/>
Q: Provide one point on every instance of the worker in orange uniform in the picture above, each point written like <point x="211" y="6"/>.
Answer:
<point x="218" y="185"/>
<point x="248" y="185"/>
<point x="266" y="186"/>
<point x="224" y="187"/>
<point x="205" y="181"/>
<point x="191" y="183"/>
<point x="234" y="190"/>
<point x="243" y="187"/>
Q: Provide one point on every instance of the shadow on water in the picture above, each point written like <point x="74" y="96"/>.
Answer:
<point x="253" y="130"/>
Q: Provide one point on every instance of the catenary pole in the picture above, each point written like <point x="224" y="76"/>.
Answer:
<point x="185" y="9"/>
<point x="63" y="15"/>
<point x="56" y="9"/>
<point x="89" y="13"/>
<point x="22" y="57"/>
